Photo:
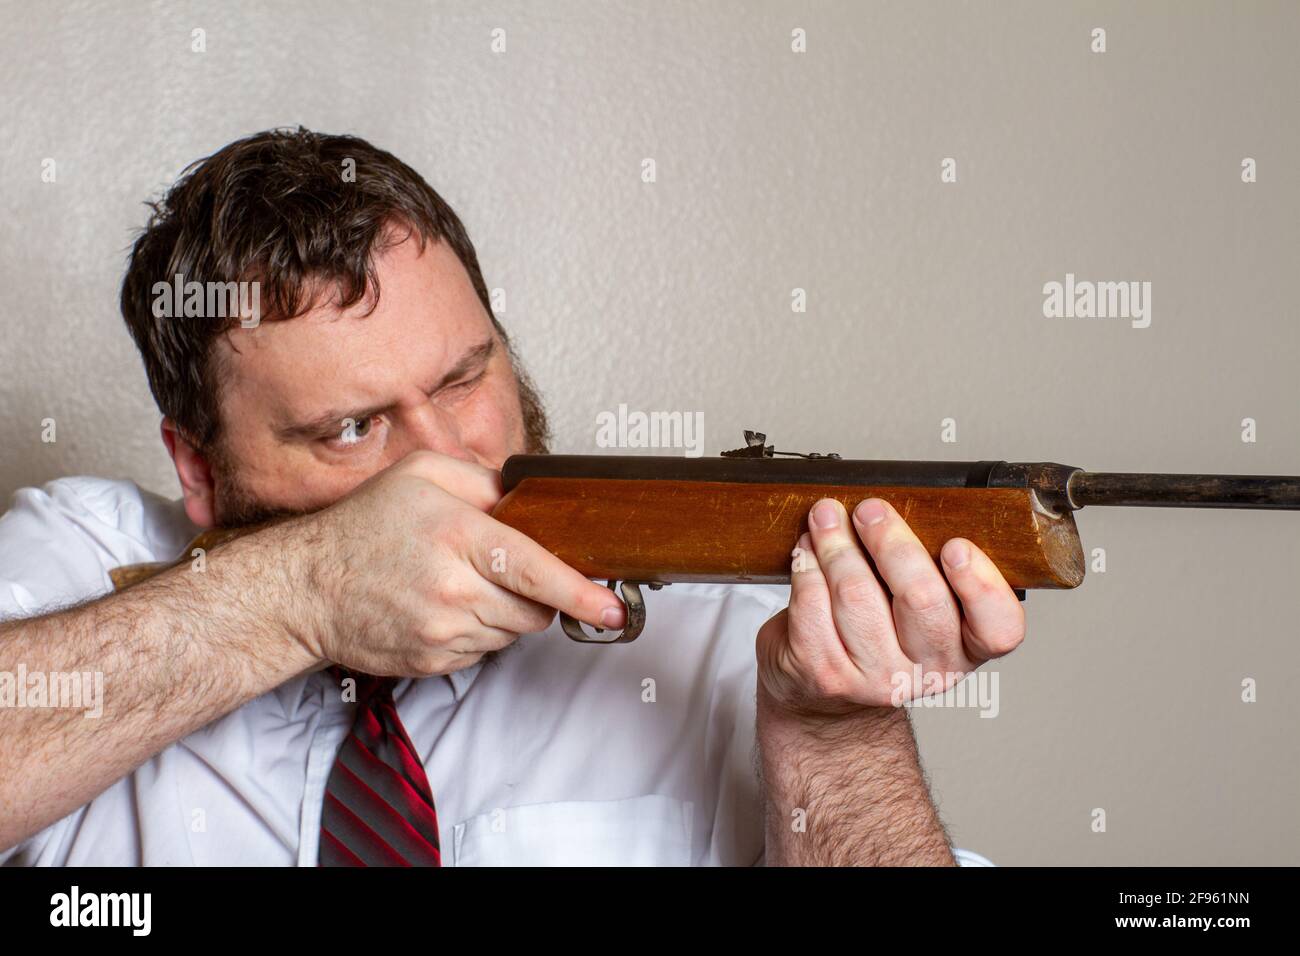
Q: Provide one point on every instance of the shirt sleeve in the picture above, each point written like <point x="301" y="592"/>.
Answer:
<point x="58" y="542"/>
<point x="969" y="858"/>
<point x="56" y="546"/>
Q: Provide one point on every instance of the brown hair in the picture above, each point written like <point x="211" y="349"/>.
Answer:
<point x="283" y="208"/>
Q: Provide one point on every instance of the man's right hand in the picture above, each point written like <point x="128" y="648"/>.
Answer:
<point x="410" y="576"/>
<point x="407" y="576"/>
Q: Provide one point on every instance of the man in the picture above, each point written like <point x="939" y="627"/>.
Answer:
<point x="361" y="418"/>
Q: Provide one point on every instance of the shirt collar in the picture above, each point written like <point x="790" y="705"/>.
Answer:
<point x="291" y="692"/>
<point x="462" y="680"/>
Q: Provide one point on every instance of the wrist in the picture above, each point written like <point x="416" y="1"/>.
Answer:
<point x="275" y="579"/>
<point x="780" y="722"/>
<point x="853" y="784"/>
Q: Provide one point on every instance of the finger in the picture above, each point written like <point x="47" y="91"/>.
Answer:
<point x="479" y="638"/>
<point x="994" y="617"/>
<point x="502" y="608"/>
<point x="466" y="480"/>
<point x="514" y="561"/>
<point x="858" y="603"/>
<point x="925" y="612"/>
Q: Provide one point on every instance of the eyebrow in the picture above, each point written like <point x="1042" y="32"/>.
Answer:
<point x="319" y="425"/>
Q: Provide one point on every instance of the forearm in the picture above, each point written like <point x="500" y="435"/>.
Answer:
<point x="175" y="653"/>
<point x="846" y="791"/>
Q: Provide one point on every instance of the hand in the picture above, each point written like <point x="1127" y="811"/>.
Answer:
<point x="409" y="576"/>
<point x="845" y="643"/>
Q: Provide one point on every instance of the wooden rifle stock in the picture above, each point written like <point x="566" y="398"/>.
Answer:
<point x="670" y="531"/>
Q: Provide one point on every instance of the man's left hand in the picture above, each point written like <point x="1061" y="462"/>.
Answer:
<point x="853" y="637"/>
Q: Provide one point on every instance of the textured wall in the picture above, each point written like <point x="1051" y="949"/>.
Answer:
<point x="820" y="171"/>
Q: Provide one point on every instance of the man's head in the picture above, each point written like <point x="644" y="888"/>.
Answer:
<point x="376" y="335"/>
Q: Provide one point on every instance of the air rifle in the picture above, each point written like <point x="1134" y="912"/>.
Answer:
<point x="658" y="520"/>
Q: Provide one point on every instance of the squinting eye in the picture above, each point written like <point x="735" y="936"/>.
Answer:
<point x="355" y="429"/>
<point x="461" y="387"/>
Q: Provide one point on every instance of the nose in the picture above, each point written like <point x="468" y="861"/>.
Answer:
<point x="431" y="428"/>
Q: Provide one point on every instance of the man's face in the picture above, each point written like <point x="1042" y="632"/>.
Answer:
<point x="312" y="406"/>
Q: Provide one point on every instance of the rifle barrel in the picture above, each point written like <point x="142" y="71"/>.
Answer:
<point x="1185" y="491"/>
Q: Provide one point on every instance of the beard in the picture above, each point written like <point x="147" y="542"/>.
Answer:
<point x="237" y="507"/>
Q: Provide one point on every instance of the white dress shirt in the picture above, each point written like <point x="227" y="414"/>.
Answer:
<point x="555" y="753"/>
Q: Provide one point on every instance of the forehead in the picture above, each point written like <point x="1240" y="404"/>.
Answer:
<point x="426" y="315"/>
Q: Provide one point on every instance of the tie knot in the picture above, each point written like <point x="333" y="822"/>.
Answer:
<point x="368" y="685"/>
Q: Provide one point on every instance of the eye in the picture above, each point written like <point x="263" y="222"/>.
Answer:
<point x="463" y="388"/>
<point x="353" y="432"/>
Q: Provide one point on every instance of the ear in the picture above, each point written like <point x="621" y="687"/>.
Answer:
<point x="195" y="474"/>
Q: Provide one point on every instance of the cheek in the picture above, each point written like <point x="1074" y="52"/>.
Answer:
<point x="494" y="428"/>
<point x="292" y="478"/>
<point x="303" y="485"/>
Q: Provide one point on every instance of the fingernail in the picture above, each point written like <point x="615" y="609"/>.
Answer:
<point x="956" y="554"/>
<point x="825" y="515"/>
<point x="871" y="511"/>
<point x="612" y="616"/>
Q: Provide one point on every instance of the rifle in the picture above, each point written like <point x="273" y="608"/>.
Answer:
<point x="657" y="520"/>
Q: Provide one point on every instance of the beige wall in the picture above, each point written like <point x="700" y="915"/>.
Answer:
<point x="821" y="171"/>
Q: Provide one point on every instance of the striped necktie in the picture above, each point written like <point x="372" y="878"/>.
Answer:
<point x="378" y="807"/>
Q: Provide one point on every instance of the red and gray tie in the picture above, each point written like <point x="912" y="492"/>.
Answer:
<point x="378" y="806"/>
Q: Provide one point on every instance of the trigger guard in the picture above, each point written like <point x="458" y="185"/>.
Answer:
<point x="635" y="604"/>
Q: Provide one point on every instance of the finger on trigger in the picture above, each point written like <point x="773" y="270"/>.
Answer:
<point x="516" y="562"/>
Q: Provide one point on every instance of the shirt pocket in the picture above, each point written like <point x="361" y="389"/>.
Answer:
<point x="650" y="830"/>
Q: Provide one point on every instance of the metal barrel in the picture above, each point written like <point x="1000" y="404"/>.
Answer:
<point x="930" y="474"/>
<point x="1277" y="492"/>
